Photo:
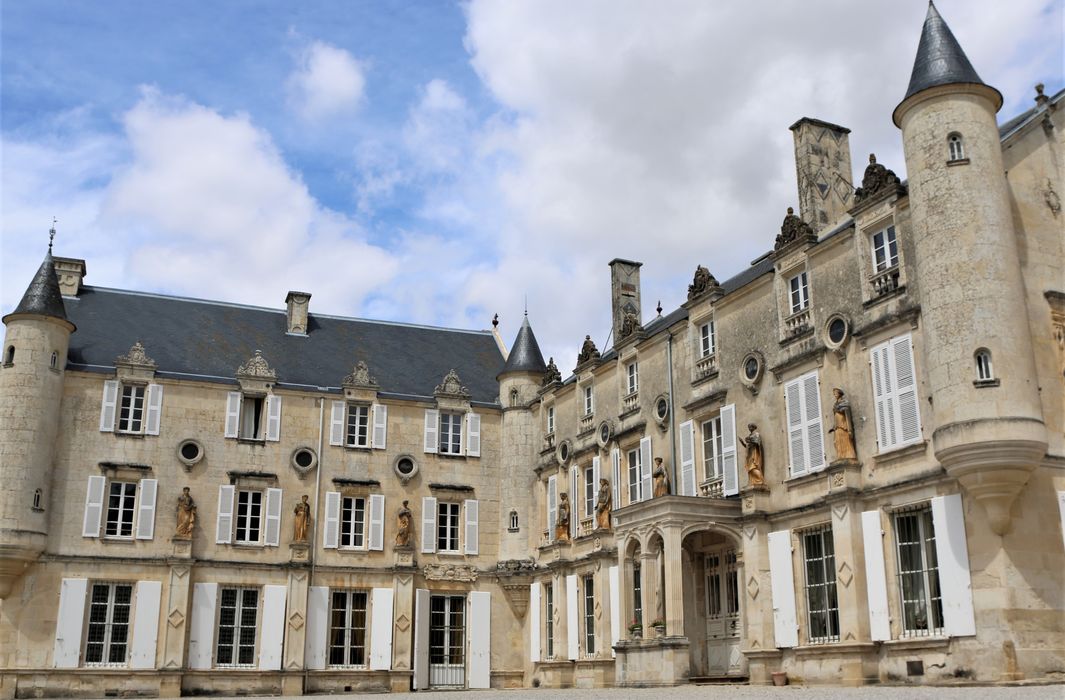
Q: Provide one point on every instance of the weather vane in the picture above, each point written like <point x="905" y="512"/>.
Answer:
<point x="51" y="234"/>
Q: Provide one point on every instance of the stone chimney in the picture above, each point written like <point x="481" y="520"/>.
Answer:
<point x="297" y="303"/>
<point x="823" y="170"/>
<point x="70" y="271"/>
<point x="624" y="294"/>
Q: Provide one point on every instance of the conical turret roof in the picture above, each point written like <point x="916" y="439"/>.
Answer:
<point x="940" y="58"/>
<point x="42" y="297"/>
<point x="525" y="356"/>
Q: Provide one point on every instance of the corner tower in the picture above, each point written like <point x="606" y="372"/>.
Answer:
<point x="989" y="437"/>
<point x="31" y="388"/>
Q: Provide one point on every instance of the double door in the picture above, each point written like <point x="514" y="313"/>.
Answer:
<point x="723" y="613"/>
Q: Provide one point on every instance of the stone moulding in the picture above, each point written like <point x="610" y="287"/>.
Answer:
<point x="449" y="572"/>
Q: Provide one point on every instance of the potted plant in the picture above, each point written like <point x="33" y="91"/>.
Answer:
<point x="636" y="629"/>
<point x="660" y="627"/>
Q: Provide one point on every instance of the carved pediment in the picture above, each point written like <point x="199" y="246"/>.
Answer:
<point x="256" y="367"/>
<point x="360" y="377"/>
<point x="793" y="229"/>
<point x="551" y="374"/>
<point x="702" y="283"/>
<point x="452" y="387"/>
<point x="136" y="358"/>
<point x="876" y="181"/>
<point x="588" y="353"/>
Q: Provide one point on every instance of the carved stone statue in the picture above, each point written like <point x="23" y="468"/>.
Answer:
<point x="754" y="463"/>
<point x="661" y="477"/>
<point x="303" y="520"/>
<point x="403" y="520"/>
<point x="186" y="515"/>
<point x="552" y="375"/>
<point x="843" y="426"/>
<point x="792" y="229"/>
<point x="876" y="179"/>
<point x="629" y="325"/>
<point x="588" y="351"/>
<point x="702" y="281"/>
<point x="603" y="505"/>
<point x="562" y="520"/>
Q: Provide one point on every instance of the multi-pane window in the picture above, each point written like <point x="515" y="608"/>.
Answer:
<point x="550" y="419"/>
<point x="707" y="340"/>
<point x="238" y="614"/>
<point x="637" y="594"/>
<point x="131" y="410"/>
<point x="447" y="527"/>
<point x="447" y="637"/>
<point x="821" y="601"/>
<point x="634" y="475"/>
<point x="252" y="423"/>
<point x="107" y="641"/>
<point x="589" y="406"/>
<point x="120" y="499"/>
<point x="589" y="616"/>
<point x="712" y="454"/>
<point x="352" y="522"/>
<point x="589" y="492"/>
<point x="721" y="573"/>
<point x="358" y="430"/>
<point x="633" y="372"/>
<point x="549" y="615"/>
<point x="885" y="250"/>
<point x="983" y="365"/>
<point x="799" y="292"/>
<point x="347" y="628"/>
<point x="249" y="516"/>
<point x="450" y="433"/>
<point x="922" y="604"/>
<point x="956" y="147"/>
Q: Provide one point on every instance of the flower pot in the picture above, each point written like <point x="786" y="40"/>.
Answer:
<point x="660" y="631"/>
<point x="780" y="678"/>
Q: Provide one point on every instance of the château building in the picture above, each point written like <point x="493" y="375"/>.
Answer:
<point x="845" y="464"/>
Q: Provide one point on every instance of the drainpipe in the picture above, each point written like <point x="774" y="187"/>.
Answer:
<point x="672" y="433"/>
<point x="314" y="521"/>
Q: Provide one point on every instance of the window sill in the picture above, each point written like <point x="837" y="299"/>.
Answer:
<point x="247" y="545"/>
<point x="358" y="448"/>
<point x="802" y="479"/>
<point x="129" y="434"/>
<point x="111" y="539"/>
<point x="251" y="441"/>
<point x="448" y="455"/>
<point x="985" y="383"/>
<point x="449" y="553"/>
<point x="900" y="453"/>
<point x="907" y="643"/>
<point x="959" y="161"/>
<point x="353" y="550"/>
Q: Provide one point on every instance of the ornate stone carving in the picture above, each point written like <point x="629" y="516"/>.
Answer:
<point x="186" y="515"/>
<point x="360" y="377"/>
<point x="452" y="386"/>
<point x="403" y="520"/>
<point x="515" y="566"/>
<point x="629" y="325"/>
<point x="754" y="463"/>
<point x="301" y="523"/>
<point x="701" y="283"/>
<point x="1052" y="199"/>
<point x="793" y="229"/>
<point x="877" y="178"/>
<point x="551" y="375"/>
<point x="135" y="357"/>
<point x="588" y="353"/>
<point x="256" y="368"/>
<point x="449" y="572"/>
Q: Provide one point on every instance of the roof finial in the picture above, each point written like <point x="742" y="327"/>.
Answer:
<point x="659" y="309"/>
<point x="495" y="321"/>
<point x="51" y="234"/>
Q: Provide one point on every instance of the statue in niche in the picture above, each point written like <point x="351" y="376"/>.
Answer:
<point x="403" y="520"/>
<point x="661" y="477"/>
<point x="603" y="505"/>
<point x="303" y="520"/>
<point x="754" y="462"/>
<point x="186" y="515"/>
<point x="562" y="520"/>
<point x="843" y="426"/>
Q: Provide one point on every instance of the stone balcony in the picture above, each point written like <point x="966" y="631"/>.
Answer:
<point x="886" y="282"/>
<point x="630" y="403"/>
<point x="797" y="324"/>
<point x="705" y="366"/>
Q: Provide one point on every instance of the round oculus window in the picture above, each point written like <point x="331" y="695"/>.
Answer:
<point x="750" y="368"/>
<point x="563" y="451"/>
<point x="661" y="409"/>
<point x="190" y="452"/>
<point x="304" y="458"/>
<point x="837" y="330"/>
<point x="604" y="433"/>
<point x="405" y="466"/>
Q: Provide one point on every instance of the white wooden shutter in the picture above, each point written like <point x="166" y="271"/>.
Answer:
<point x="470" y="507"/>
<point x="224" y="524"/>
<point x="69" y="620"/>
<point x="615" y="607"/>
<point x="796" y="426"/>
<point x="646" y="482"/>
<point x="421" y="639"/>
<point x="595" y="490"/>
<point x="782" y="579"/>
<point x="233" y="400"/>
<point x="273" y="418"/>
<point x="730" y="471"/>
<point x="145" y="624"/>
<point x="317" y="627"/>
<point x="552" y="506"/>
<point x="480" y="639"/>
<point x="146" y="509"/>
<point x="108" y="406"/>
<point x="535" y="592"/>
<point x="272" y="531"/>
<point x="473" y="436"/>
<point x="815" y="437"/>
<point x="428" y="527"/>
<point x="615" y="485"/>
<point x="272" y="630"/>
<point x="953" y="556"/>
<point x="883" y="398"/>
<point x="687" y="459"/>
<point x="1061" y="510"/>
<point x="572" y="613"/>
<point x="94" y="506"/>
<point x="875" y="576"/>
<point x="336" y="423"/>
<point x="432" y="427"/>
<point x="155" y="409"/>
<point x="202" y="625"/>
<point x="377" y="522"/>
<point x="381" y="628"/>
<point x="380" y="425"/>
<point x="909" y="412"/>
<point x="331" y="521"/>
<point x="574" y="515"/>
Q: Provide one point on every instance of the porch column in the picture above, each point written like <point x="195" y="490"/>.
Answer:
<point x="674" y="582"/>
<point x="649" y="573"/>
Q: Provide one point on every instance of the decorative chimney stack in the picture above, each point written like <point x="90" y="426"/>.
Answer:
<point x="70" y="271"/>
<point x="823" y="171"/>
<point x="625" y="298"/>
<point x="298" y="304"/>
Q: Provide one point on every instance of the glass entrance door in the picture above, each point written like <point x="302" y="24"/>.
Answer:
<point x="722" y="612"/>
<point x="447" y="641"/>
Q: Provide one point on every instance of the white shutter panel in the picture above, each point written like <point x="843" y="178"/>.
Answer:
<point x="646" y="487"/>
<point x="883" y="398"/>
<point x="785" y="628"/>
<point x="472" y="525"/>
<point x="273" y="418"/>
<point x="432" y="426"/>
<point x="202" y="625"/>
<point x="381" y="629"/>
<point x="145" y="625"/>
<point x="480" y="638"/>
<point x="953" y="556"/>
<point x="730" y="470"/>
<point x="94" y="506"/>
<point x="535" y="591"/>
<point x="331" y="529"/>
<point x="615" y="465"/>
<point x="336" y="423"/>
<point x="596" y="476"/>
<point x="428" y="527"/>
<point x="421" y="638"/>
<point x="687" y="459"/>
<point x="224" y="525"/>
<point x="906" y="390"/>
<point x="572" y="633"/>
<point x="233" y="400"/>
<point x="108" y="406"/>
<point x="377" y="522"/>
<point x="1061" y="509"/>
<point x="317" y="626"/>
<point x="272" y="532"/>
<point x="815" y="437"/>
<point x="69" y="620"/>
<point x="574" y="516"/>
<point x="272" y="631"/>
<point x="473" y="436"/>
<point x="146" y="509"/>
<point x="615" y="607"/>
<point x="380" y="425"/>
<point x="796" y="438"/>
<point x="155" y="409"/>
<point x="552" y="506"/>
<point x="875" y="577"/>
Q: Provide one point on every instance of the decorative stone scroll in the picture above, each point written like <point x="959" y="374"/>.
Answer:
<point x="360" y="377"/>
<point x="256" y="368"/>
<point x="551" y="374"/>
<point x="449" y="572"/>
<point x="876" y="180"/>
<point x="452" y="386"/>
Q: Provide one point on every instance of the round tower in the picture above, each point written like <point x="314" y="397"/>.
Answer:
<point x="989" y="428"/>
<point x="36" y="339"/>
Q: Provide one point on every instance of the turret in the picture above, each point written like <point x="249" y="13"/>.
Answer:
<point x="989" y="431"/>
<point x="35" y="346"/>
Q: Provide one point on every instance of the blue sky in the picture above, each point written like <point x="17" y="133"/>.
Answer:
<point x="437" y="162"/>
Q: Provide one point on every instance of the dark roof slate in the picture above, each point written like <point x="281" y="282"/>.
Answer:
<point x="940" y="58"/>
<point x="196" y="339"/>
<point x="525" y="355"/>
<point x="42" y="297"/>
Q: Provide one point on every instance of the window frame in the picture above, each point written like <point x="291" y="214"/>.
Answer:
<point x="243" y="522"/>
<point x="823" y="564"/>
<point x="360" y="412"/>
<point x="550" y="420"/>
<point x="549" y="611"/>
<point x="127" y="506"/>
<point x="351" y="527"/>
<point x="589" y="400"/>
<point x="955" y="147"/>
<point x="927" y="575"/>
<point x="257" y="418"/>
<point x="887" y="249"/>
<point x="633" y="468"/>
<point x="632" y="373"/>
<point x="108" y="643"/>
<point x="637" y="592"/>
<point x="349" y="630"/>
<point x="450" y="442"/>
<point x="985" y="371"/>
<point x="588" y="605"/>
<point x="590" y="491"/>
<point x="452" y="531"/>
<point x="239" y="625"/>
<point x="707" y="339"/>
<point x="131" y="418"/>
<point x="799" y="292"/>
<point x="715" y="441"/>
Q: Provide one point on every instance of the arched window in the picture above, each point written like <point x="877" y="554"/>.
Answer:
<point x="956" y="147"/>
<point x="37" y="499"/>
<point x="9" y="355"/>
<point x="513" y="521"/>
<point x="984" y="372"/>
<point x="55" y="360"/>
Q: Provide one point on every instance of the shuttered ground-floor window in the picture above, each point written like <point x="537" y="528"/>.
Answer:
<point x="347" y="629"/>
<point x="238" y="615"/>
<point x="922" y="602"/>
<point x="822" y="604"/>
<point x="107" y="640"/>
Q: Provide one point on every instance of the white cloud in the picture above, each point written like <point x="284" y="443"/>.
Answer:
<point x="328" y="81"/>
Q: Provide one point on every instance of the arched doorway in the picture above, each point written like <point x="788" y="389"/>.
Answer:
<point x="713" y="603"/>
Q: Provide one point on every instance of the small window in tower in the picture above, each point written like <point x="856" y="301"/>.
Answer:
<point x="513" y="521"/>
<point x="956" y="147"/>
<point x="9" y="356"/>
<point x="37" y="500"/>
<point x="54" y="361"/>
<point x="985" y="374"/>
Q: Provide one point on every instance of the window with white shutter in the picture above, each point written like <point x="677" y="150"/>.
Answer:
<point x="615" y="483"/>
<point x="94" y="506"/>
<point x="155" y="409"/>
<point x="273" y="418"/>
<point x="224" y="524"/>
<point x="473" y="435"/>
<point x="273" y="518"/>
<point x="646" y="489"/>
<point x="146" y="509"/>
<point x="380" y="426"/>
<point x="895" y="400"/>
<point x="552" y="506"/>
<point x="377" y="522"/>
<point x="331" y="529"/>
<point x="108" y="406"/>
<point x="428" y="525"/>
<point x="432" y="418"/>
<point x="729" y="461"/>
<point x="687" y="458"/>
<point x="802" y="402"/>
<point x="470" y="508"/>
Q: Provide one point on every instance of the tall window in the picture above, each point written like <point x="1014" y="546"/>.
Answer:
<point x="550" y="419"/>
<point x="120" y="500"/>
<point x="637" y="594"/>
<point x="549" y="615"/>
<point x="238" y="615"/>
<point x="956" y="147"/>
<point x="633" y="371"/>
<point x="589" y="492"/>
<point x="885" y="250"/>
<point x="707" y="341"/>
<point x="588" y="405"/>
<point x="107" y="641"/>
<point x="450" y="433"/>
<point x="821" y="602"/>
<point x="252" y="423"/>
<point x="800" y="292"/>
<point x="712" y="454"/>
<point x="634" y="475"/>
<point x="983" y="365"/>
<point x="447" y="527"/>
<point x="347" y="629"/>
<point x="922" y="605"/>
<point x="131" y="415"/>
<point x="353" y="523"/>
<point x="358" y="433"/>
<point x="589" y="616"/>
<point x="249" y="516"/>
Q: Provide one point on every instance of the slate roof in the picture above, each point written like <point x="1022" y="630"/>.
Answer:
<point x="42" y="296"/>
<point x="525" y="356"/>
<point x="205" y="340"/>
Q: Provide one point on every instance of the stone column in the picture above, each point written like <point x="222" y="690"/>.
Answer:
<point x="402" y="636"/>
<point x="850" y="559"/>
<point x="759" y="644"/>
<point x="674" y="582"/>
<point x="176" y="628"/>
<point x="296" y="632"/>
<point x="625" y="598"/>
<point x="649" y="573"/>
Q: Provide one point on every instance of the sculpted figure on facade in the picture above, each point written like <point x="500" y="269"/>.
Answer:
<point x="629" y="325"/>
<point x="702" y="282"/>
<point x="552" y="375"/>
<point x="754" y="463"/>
<point x="843" y="426"/>
<point x="403" y="520"/>
<point x="562" y="521"/>
<point x="603" y="505"/>
<point x="186" y="514"/>
<point x="661" y="477"/>
<point x="876" y="179"/>
<point x="588" y="351"/>
<point x="792" y="229"/>
<point x="302" y="521"/>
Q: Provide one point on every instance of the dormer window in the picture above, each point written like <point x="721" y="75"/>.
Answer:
<point x="131" y="413"/>
<point x="358" y="429"/>
<point x="799" y="292"/>
<point x="633" y="371"/>
<point x="956" y="147"/>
